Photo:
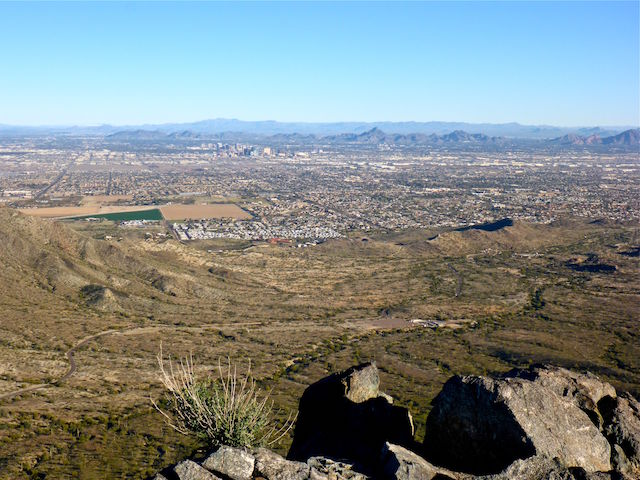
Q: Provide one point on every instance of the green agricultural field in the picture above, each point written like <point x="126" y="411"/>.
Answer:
<point x="152" y="214"/>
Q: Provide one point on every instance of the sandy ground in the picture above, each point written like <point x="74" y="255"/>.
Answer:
<point x="217" y="210"/>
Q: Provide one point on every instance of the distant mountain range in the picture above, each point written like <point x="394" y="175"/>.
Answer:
<point x="628" y="137"/>
<point x="270" y="128"/>
<point x="267" y="128"/>
<point x="151" y="135"/>
<point x="137" y="135"/>
<point x="376" y="136"/>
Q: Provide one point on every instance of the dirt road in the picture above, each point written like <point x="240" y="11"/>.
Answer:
<point x="71" y="371"/>
<point x="458" y="279"/>
<point x="126" y="331"/>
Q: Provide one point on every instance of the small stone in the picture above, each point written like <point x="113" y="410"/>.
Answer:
<point x="273" y="467"/>
<point x="233" y="462"/>
<point x="361" y="383"/>
<point x="190" y="470"/>
<point x="398" y="463"/>
<point x="326" y="468"/>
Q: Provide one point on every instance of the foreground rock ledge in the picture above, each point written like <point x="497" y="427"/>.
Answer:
<point x="541" y="423"/>
<point x="482" y="425"/>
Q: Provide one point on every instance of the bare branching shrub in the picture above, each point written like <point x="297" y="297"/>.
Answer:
<point x="227" y="410"/>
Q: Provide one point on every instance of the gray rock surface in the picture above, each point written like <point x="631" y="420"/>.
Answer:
<point x="345" y="416"/>
<point x="533" y="468"/>
<point x="234" y="463"/>
<point x="316" y="475"/>
<point x="481" y="425"/>
<point x="190" y="470"/>
<point x="272" y="466"/>
<point x="540" y="467"/>
<point x="398" y="463"/>
<point x="585" y="390"/>
<point x="328" y="469"/>
<point x="619" y="460"/>
<point x="622" y="428"/>
<point x="361" y="384"/>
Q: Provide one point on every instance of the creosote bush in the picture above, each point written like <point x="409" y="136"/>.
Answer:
<point x="227" y="410"/>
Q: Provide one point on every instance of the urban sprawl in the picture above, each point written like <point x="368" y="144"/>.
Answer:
<point x="312" y="193"/>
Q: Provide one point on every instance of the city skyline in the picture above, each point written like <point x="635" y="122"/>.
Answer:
<point x="561" y="64"/>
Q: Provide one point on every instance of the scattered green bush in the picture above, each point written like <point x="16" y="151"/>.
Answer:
<point x="536" y="300"/>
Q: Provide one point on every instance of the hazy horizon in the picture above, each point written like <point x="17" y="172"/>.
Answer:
<point x="308" y="122"/>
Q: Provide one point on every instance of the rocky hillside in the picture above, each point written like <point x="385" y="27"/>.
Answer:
<point x="541" y="423"/>
<point x="46" y="262"/>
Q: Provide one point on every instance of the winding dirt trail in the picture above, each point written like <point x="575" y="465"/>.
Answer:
<point x="125" y="331"/>
<point x="72" y="368"/>
<point x="72" y="361"/>
<point x="458" y="279"/>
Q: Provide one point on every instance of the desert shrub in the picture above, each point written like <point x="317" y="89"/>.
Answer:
<point x="536" y="301"/>
<point x="225" y="410"/>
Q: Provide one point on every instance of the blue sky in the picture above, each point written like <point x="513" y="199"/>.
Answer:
<point x="131" y="63"/>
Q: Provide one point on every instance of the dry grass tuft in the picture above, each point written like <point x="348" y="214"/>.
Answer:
<point x="227" y="410"/>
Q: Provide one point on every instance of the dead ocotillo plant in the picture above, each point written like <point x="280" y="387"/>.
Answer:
<point x="227" y="410"/>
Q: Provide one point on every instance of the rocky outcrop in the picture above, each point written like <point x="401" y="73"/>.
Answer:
<point x="345" y="416"/>
<point x="540" y="423"/>
<point x="481" y="425"/>
<point x="231" y="463"/>
<point x="622" y="428"/>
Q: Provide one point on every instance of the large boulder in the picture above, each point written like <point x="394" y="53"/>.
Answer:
<point x="622" y="428"/>
<point x="481" y="425"/>
<point x="235" y="463"/>
<point x="345" y="416"/>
